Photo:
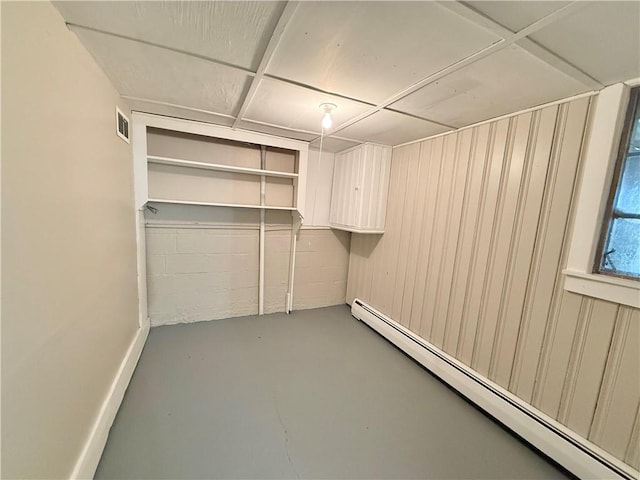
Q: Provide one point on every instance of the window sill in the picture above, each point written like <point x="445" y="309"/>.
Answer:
<point x="612" y="289"/>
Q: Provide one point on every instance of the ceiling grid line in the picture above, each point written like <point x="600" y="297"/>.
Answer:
<point x="527" y="44"/>
<point x="397" y="71"/>
<point x="175" y="105"/>
<point x="507" y="40"/>
<point x="274" y="41"/>
<point x="244" y="70"/>
<point x="209" y="112"/>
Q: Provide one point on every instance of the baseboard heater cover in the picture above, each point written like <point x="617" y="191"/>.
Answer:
<point x="579" y="456"/>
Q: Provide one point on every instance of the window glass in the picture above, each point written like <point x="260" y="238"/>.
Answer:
<point x="620" y="250"/>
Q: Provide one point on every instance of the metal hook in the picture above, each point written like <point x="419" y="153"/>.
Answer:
<point x="153" y="210"/>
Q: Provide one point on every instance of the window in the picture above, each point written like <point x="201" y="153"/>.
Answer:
<point x="600" y="171"/>
<point x="619" y="245"/>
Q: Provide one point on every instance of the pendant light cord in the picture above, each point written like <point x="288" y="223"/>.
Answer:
<point x="321" y="139"/>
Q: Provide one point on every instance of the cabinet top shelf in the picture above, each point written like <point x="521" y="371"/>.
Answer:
<point x="220" y="204"/>
<point x="220" y="168"/>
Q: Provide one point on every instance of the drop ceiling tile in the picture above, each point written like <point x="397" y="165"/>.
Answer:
<point x="504" y="82"/>
<point x="391" y="128"/>
<point x="145" y="71"/>
<point x="291" y="106"/>
<point x="371" y="50"/>
<point x="274" y="130"/>
<point x="177" y="112"/>
<point x="233" y="32"/>
<point x="602" y="39"/>
<point x="516" y="15"/>
<point x="333" y="145"/>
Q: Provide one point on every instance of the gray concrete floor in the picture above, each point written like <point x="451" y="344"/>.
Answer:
<point x="315" y="394"/>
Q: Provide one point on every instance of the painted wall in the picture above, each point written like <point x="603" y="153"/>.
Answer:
<point x="69" y="291"/>
<point x="477" y="234"/>
<point x="319" y="184"/>
<point x="210" y="270"/>
<point x="202" y="262"/>
<point x="171" y="182"/>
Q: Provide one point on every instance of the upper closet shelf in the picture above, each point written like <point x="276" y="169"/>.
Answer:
<point x="218" y="167"/>
<point x="221" y="204"/>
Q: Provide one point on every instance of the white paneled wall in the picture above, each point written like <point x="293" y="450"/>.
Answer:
<point x="318" y="197"/>
<point x="477" y="234"/>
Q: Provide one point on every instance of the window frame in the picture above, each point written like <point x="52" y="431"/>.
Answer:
<point x="633" y="103"/>
<point x="604" y="132"/>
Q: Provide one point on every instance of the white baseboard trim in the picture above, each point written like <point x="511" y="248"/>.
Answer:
<point x="90" y="456"/>
<point x="581" y="457"/>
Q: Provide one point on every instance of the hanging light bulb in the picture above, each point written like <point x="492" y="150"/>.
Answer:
<point x="327" y="121"/>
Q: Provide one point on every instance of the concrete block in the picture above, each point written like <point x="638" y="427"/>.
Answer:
<point x="158" y="285"/>
<point x="160" y="241"/>
<point x="216" y="241"/>
<point x="278" y="242"/>
<point x="186" y="263"/>
<point x="156" y="264"/>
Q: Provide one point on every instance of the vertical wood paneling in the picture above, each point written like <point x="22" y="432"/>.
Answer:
<point x="516" y="281"/>
<point x="454" y="213"/>
<point x="407" y="222"/>
<point x="354" y="280"/>
<point x="590" y="360"/>
<point x="552" y="387"/>
<point x="442" y="229"/>
<point x="422" y="258"/>
<point x="480" y="259"/>
<point x="502" y="240"/>
<point x="632" y="455"/>
<point x="391" y="239"/>
<point x="472" y="258"/>
<point x="620" y="392"/>
<point x="551" y="233"/>
<point x="620" y="332"/>
<point x="370" y="262"/>
<point x="431" y="235"/>
<point x="419" y="193"/>
<point x="466" y="240"/>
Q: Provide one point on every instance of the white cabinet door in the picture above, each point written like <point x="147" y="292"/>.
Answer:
<point x="360" y="188"/>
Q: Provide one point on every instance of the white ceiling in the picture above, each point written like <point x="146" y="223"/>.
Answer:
<point x="398" y="71"/>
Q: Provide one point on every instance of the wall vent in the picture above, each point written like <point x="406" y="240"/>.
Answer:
<point x="122" y="125"/>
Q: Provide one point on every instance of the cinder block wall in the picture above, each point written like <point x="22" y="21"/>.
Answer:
<point x="322" y="265"/>
<point x="197" y="274"/>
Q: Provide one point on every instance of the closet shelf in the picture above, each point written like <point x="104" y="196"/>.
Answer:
<point x="220" y="168"/>
<point x="220" y="204"/>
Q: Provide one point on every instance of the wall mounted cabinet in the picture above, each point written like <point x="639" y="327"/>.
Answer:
<point x="360" y="189"/>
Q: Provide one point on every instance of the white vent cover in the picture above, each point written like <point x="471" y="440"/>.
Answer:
<point x="122" y="125"/>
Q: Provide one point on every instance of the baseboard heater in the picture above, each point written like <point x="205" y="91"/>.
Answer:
<point x="579" y="456"/>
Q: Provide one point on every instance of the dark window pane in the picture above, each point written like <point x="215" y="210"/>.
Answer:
<point x="622" y="252"/>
